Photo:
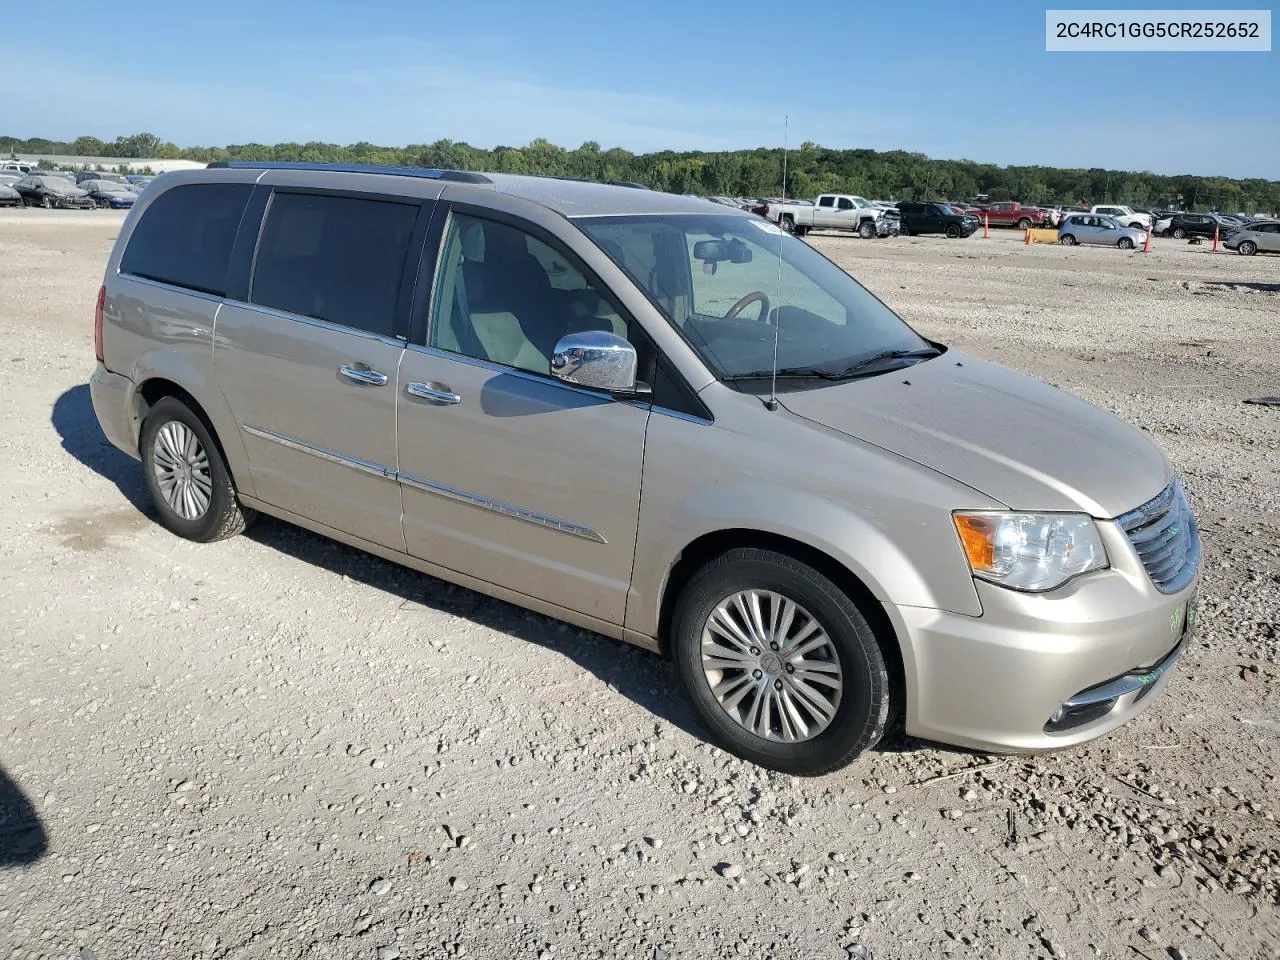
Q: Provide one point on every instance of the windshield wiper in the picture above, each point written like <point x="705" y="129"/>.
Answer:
<point x="866" y="364"/>
<point x="785" y="373"/>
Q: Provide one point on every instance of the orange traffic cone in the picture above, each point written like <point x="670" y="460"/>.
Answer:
<point x="1215" y="238"/>
<point x="1029" y="240"/>
<point x="986" y="233"/>
<point x="1146" y="242"/>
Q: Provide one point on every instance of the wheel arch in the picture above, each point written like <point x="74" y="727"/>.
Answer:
<point x="698" y="552"/>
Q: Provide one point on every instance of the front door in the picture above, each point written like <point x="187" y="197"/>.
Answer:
<point x="507" y="474"/>
<point x="308" y="365"/>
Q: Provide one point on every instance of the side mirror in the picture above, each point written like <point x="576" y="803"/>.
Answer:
<point x="593" y="358"/>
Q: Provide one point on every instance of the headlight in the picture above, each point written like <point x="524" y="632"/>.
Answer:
<point x="1030" y="551"/>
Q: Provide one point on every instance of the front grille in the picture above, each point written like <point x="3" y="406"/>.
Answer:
<point x="1163" y="532"/>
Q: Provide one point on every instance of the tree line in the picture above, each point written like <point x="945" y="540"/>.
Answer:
<point x="810" y="170"/>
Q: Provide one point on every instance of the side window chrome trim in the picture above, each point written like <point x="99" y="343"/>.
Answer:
<point x="332" y="456"/>
<point x="161" y="285"/>
<point x="317" y="322"/>
<point x="499" y="368"/>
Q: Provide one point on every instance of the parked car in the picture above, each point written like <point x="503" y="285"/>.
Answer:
<point x="935" y="217"/>
<point x="138" y="178"/>
<point x="1254" y="236"/>
<point x="1126" y="215"/>
<point x="100" y="175"/>
<point x="1105" y="231"/>
<point x="831" y="211"/>
<point x="1009" y="214"/>
<point x="1197" y="226"/>
<point x="47" y="191"/>
<point x="15" y="166"/>
<point x="9" y="197"/>
<point x="476" y="375"/>
<point x="109" y="194"/>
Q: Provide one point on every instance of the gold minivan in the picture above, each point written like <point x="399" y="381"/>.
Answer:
<point x="658" y="418"/>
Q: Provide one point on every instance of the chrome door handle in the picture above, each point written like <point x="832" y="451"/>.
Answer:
<point x="435" y="392"/>
<point x="362" y="374"/>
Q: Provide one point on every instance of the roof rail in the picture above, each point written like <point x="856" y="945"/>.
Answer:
<point x="458" y="176"/>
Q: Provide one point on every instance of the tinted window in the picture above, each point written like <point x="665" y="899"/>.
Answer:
<point x="185" y="236"/>
<point x="845" y="203"/>
<point x="334" y="258"/>
<point x="507" y="297"/>
<point x="826" y="201"/>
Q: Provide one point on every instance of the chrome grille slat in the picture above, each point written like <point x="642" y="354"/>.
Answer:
<point x="1163" y="533"/>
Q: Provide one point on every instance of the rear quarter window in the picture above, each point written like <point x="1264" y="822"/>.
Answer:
<point x="185" y="236"/>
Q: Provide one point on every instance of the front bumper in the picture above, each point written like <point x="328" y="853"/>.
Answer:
<point x="998" y="682"/>
<point x="112" y="397"/>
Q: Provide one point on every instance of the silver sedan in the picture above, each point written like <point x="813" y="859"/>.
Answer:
<point x="1093" y="228"/>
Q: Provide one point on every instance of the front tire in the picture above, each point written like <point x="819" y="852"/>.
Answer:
<point x="953" y="232"/>
<point x="1247" y="248"/>
<point x="1024" y="224"/>
<point x="47" y="202"/>
<point x="187" y="477"/>
<point x="866" y="229"/>
<point x="779" y="663"/>
<point x="1124" y="243"/>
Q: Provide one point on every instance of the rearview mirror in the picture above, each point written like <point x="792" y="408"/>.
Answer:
<point x="719" y="251"/>
<point x="593" y="358"/>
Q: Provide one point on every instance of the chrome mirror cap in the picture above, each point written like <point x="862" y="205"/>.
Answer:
<point x="593" y="358"/>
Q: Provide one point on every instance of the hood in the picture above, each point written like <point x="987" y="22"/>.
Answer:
<point x="1009" y="436"/>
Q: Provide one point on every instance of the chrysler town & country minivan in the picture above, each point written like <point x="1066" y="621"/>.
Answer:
<point x="658" y="418"/>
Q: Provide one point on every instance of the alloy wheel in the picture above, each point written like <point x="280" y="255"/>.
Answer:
<point x="771" y="666"/>
<point x="181" y="467"/>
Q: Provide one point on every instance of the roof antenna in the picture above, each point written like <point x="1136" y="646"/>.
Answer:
<point x="772" y="402"/>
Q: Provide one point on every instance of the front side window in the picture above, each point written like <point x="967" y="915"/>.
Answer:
<point x="185" y="236"/>
<point x="727" y="283"/>
<point x="503" y="295"/>
<point x="333" y="258"/>
<point x="846" y="203"/>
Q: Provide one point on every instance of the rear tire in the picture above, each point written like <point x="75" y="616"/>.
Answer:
<point x="867" y="229"/>
<point x="1179" y="233"/>
<point x="1247" y="248"/>
<point x="787" y="224"/>
<point x="189" y="482"/>
<point x="850" y="718"/>
<point x="1067" y="240"/>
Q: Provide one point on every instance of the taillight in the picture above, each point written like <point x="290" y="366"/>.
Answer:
<point x="97" y="322"/>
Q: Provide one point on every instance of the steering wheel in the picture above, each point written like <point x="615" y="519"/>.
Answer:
<point x="747" y="301"/>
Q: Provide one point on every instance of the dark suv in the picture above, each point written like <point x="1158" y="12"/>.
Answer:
<point x="1184" y="225"/>
<point x="933" y="217"/>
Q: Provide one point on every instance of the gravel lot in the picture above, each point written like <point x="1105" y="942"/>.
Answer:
<point x="278" y="747"/>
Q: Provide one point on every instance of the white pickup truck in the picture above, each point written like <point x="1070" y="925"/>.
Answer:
<point x="1126" y="215"/>
<point x="831" y="211"/>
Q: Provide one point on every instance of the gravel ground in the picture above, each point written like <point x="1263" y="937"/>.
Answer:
<point x="278" y="747"/>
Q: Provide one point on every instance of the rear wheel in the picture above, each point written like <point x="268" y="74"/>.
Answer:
<point x="953" y="231"/>
<point x="189" y="482"/>
<point x="1247" y="248"/>
<point x="867" y="229"/>
<point x="779" y="663"/>
<point x="1067" y="240"/>
<point x="1179" y="233"/>
<point x="787" y="224"/>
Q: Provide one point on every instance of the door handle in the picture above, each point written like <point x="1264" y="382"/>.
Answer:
<point x="360" y="373"/>
<point x="434" y="392"/>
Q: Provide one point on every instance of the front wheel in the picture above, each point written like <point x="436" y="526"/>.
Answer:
<point x="1124" y="243"/>
<point x="1024" y="224"/>
<point x="186" y="475"/>
<point x="867" y="229"/>
<point x="1247" y="248"/>
<point x="1067" y="240"/>
<point x="953" y="231"/>
<point x="47" y="202"/>
<point x="779" y="663"/>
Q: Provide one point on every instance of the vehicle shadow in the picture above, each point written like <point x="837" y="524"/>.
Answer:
<point x="22" y="836"/>
<point x="77" y="426"/>
<point x="642" y="677"/>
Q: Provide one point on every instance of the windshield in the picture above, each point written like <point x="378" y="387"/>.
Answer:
<point x="719" y="281"/>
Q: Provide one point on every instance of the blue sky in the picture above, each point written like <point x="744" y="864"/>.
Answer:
<point x="950" y="79"/>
